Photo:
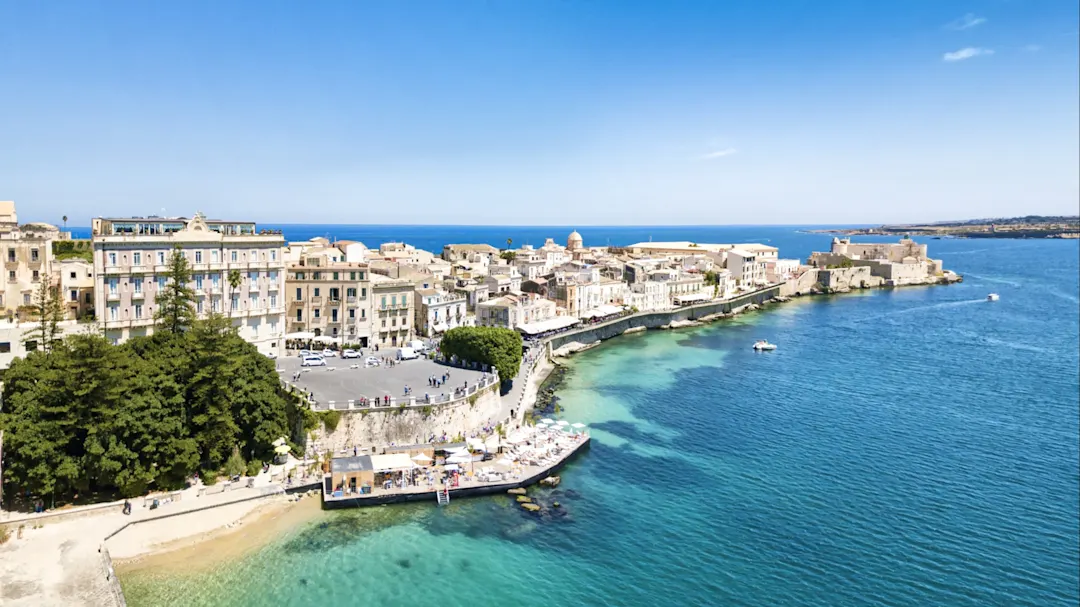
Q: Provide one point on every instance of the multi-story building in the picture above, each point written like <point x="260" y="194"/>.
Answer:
<point x="235" y="271"/>
<point x="650" y="296"/>
<point x="28" y="260"/>
<point x="438" y="312"/>
<point x="75" y="278"/>
<point x="745" y="267"/>
<point x="511" y="311"/>
<point x="328" y="296"/>
<point x="393" y="310"/>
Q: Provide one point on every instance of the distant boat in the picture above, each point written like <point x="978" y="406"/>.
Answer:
<point x="992" y="297"/>
<point x="763" y="346"/>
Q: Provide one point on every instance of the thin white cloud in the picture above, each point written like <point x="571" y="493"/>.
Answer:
<point x="966" y="53"/>
<point x="966" y="22"/>
<point x="719" y="153"/>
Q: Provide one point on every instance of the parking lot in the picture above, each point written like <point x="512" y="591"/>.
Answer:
<point x="339" y="382"/>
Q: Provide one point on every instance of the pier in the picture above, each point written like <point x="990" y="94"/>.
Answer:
<point x="527" y="456"/>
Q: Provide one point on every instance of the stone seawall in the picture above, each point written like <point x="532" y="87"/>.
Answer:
<point x="657" y="320"/>
<point x="411" y="425"/>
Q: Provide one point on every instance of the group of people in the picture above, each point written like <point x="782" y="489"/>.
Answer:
<point x="436" y="381"/>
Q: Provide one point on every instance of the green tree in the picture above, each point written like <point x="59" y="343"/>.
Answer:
<point x="235" y="280"/>
<point x="713" y="279"/>
<point x="500" y="348"/>
<point x="48" y="313"/>
<point x="509" y="256"/>
<point x="176" y="302"/>
<point x="65" y="222"/>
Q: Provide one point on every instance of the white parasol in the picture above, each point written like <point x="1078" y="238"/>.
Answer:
<point x="562" y="422"/>
<point x="420" y="457"/>
<point x="547" y="421"/>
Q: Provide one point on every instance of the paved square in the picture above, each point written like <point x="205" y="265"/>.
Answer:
<point x="343" y="383"/>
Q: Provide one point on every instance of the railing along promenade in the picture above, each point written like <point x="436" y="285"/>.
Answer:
<point x="392" y="403"/>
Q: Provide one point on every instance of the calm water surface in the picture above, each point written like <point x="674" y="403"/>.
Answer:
<point x="909" y="447"/>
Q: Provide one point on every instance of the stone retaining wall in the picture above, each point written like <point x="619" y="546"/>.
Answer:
<point x="657" y="320"/>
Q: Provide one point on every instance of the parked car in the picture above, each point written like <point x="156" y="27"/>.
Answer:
<point x="313" y="361"/>
<point x="371" y="361"/>
<point x="271" y="355"/>
<point x="304" y="353"/>
<point x="328" y="353"/>
<point x="350" y="354"/>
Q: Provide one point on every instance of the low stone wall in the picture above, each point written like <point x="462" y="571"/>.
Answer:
<point x="413" y="424"/>
<point x="657" y="320"/>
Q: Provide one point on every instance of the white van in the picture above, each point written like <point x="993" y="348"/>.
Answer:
<point x="417" y="345"/>
<point x="407" y="354"/>
<point x="313" y="361"/>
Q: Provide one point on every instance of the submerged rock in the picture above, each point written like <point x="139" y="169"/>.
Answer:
<point x="531" y="507"/>
<point x="523" y="499"/>
<point x="517" y="491"/>
<point x="551" y="481"/>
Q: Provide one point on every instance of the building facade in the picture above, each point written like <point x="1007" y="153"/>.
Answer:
<point x="510" y="311"/>
<point x="75" y="278"/>
<point x="28" y="260"/>
<point x="328" y="296"/>
<point x="438" y="312"/>
<point x="236" y="271"/>
<point x="393" y="310"/>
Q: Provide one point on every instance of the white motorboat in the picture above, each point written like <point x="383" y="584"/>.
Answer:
<point x="763" y="346"/>
<point x="992" y="297"/>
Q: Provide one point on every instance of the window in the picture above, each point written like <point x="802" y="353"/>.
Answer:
<point x="37" y="274"/>
<point x="383" y="302"/>
<point x="335" y="275"/>
<point x="138" y="285"/>
<point x="335" y="294"/>
<point x="215" y="305"/>
<point x="136" y="259"/>
<point x="363" y="313"/>
<point x="299" y="315"/>
<point x="393" y="322"/>
<point x="299" y="294"/>
<point x="161" y="258"/>
<point x="112" y="259"/>
<point x="74" y="295"/>
<point x="33" y="254"/>
<point x="199" y="307"/>
<point x="11" y="274"/>
<point x="215" y="280"/>
<point x="253" y="302"/>
<point x="235" y="302"/>
<point x="361" y="276"/>
<point x="11" y="255"/>
<point x="198" y="256"/>
<point x="316" y="275"/>
<point x="350" y="292"/>
<point x="393" y="300"/>
<point x="316" y="291"/>
<point x="352" y="275"/>
<point x="315" y="313"/>
<point x="299" y="276"/>
<point x="161" y="282"/>
<point x="138" y="311"/>
<point x="5" y="347"/>
<point x="273" y="255"/>
<point x="333" y="315"/>
<point x="233" y="257"/>
<point x="253" y="277"/>
<point x="273" y="301"/>
<point x="272" y="276"/>
<point x="114" y="284"/>
<point x="363" y="293"/>
<point x="352" y="312"/>
<point x="384" y="323"/>
<point x="214" y="256"/>
<point x="199" y="281"/>
<point x="89" y="298"/>
<point x="114" y="312"/>
<point x="73" y="275"/>
<point x="254" y="255"/>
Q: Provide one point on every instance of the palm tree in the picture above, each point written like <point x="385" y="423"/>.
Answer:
<point x="509" y="242"/>
<point x="65" y="222"/>
<point x="234" y="283"/>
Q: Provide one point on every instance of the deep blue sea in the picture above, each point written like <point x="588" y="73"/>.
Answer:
<point x="908" y="447"/>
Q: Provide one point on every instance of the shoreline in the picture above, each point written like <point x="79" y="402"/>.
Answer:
<point x="222" y="542"/>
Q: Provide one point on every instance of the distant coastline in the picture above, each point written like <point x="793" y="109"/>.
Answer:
<point x="1032" y="226"/>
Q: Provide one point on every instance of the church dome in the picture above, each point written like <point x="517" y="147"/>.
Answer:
<point x="574" y="241"/>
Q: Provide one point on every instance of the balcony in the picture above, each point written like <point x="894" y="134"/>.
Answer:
<point x="351" y="299"/>
<point x="316" y="300"/>
<point x="138" y="269"/>
<point x="114" y="296"/>
<point x="140" y="295"/>
<point x="273" y="286"/>
<point x="113" y="270"/>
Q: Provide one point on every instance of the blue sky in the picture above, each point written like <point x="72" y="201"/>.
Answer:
<point x="541" y="112"/>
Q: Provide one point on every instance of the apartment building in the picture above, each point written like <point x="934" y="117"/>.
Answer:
<point x="75" y="278"/>
<point x="438" y="312"/>
<point x="28" y="259"/>
<point x="393" y="310"/>
<point x="510" y="311"/>
<point x="327" y="295"/>
<point x="236" y="271"/>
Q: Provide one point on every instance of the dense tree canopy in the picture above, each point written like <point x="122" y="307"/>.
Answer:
<point x="149" y="413"/>
<point x="500" y="348"/>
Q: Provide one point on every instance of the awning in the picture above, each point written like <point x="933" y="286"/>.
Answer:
<point x="326" y="339"/>
<point x="392" y="461"/>
<point x="692" y="297"/>
<point x="550" y="324"/>
<point x="300" y="335"/>
<point x="441" y="327"/>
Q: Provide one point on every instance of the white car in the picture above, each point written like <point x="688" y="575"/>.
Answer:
<point x="371" y="361"/>
<point x="350" y="354"/>
<point x="328" y="353"/>
<point x="304" y="353"/>
<point x="271" y="355"/>
<point x="313" y="361"/>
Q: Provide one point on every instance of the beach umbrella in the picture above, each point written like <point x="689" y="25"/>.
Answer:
<point x="281" y="449"/>
<point x="547" y="421"/>
<point x="562" y="422"/>
<point x="578" y="425"/>
<point x="420" y="457"/>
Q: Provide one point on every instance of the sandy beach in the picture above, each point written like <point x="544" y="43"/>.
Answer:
<point x="206" y="539"/>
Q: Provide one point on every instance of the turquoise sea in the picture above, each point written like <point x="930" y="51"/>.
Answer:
<point x="913" y="447"/>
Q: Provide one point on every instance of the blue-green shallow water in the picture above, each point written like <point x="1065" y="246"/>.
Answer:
<point x="907" y="447"/>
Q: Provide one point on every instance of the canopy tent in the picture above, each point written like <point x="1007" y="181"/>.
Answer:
<point x="391" y="461"/>
<point x="300" y="335"/>
<point x="459" y="459"/>
<point x="550" y="324"/>
<point x="420" y="457"/>
<point x="451" y="468"/>
<point x="608" y="310"/>
<point x="326" y="339"/>
<point x="691" y="298"/>
<point x="440" y="327"/>
<point x="476" y="444"/>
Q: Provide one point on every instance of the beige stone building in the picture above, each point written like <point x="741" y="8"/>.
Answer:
<point x="513" y="310"/>
<point x="328" y="296"/>
<point x="75" y="278"/>
<point x="131" y="257"/>
<point x="393" y="310"/>
<point x="28" y="259"/>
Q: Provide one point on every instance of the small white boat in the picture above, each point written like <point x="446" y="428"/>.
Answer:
<point x="763" y="346"/>
<point x="992" y="297"/>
